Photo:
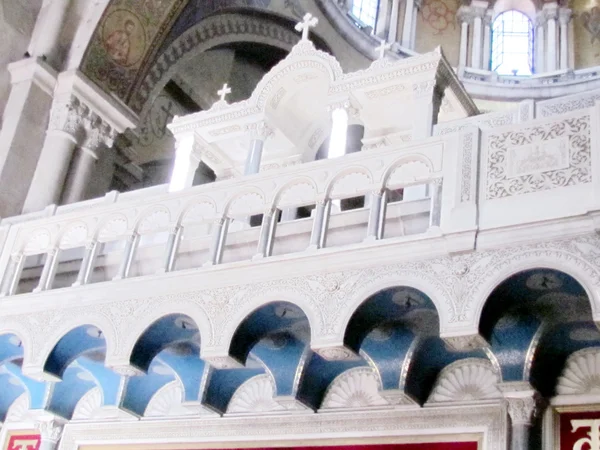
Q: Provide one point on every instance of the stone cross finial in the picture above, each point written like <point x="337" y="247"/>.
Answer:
<point x="383" y="46"/>
<point x="308" y="21"/>
<point x="223" y="92"/>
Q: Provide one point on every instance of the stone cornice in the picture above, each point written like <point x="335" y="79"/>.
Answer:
<point x="36" y="70"/>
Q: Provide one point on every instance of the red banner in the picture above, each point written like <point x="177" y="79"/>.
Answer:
<point x="580" y="431"/>
<point x="24" y="442"/>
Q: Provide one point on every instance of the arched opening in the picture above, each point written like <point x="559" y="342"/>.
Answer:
<point x="512" y="44"/>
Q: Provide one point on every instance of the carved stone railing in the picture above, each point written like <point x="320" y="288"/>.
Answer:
<point x="490" y="85"/>
<point x="242" y="219"/>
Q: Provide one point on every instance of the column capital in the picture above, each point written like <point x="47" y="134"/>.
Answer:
<point x="50" y="429"/>
<point x="98" y="133"/>
<point x="67" y="115"/>
<point x="550" y="10"/>
<point x="564" y="15"/>
<point x="465" y="15"/>
<point x="523" y="402"/>
<point x="540" y="19"/>
<point x="345" y="104"/>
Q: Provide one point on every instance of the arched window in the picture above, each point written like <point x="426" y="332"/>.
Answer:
<point x="512" y="44"/>
<point x="365" y="12"/>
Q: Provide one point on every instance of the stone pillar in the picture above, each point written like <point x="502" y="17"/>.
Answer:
<point x="45" y="40"/>
<point x="10" y="280"/>
<point x="487" y="39"/>
<point x="375" y="218"/>
<point x="413" y="28"/>
<point x="394" y="16"/>
<point x="551" y="10"/>
<point x="219" y="235"/>
<point x="259" y="135"/>
<point x="23" y="130"/>
<point x="50" y="433"/>
<point x="564" y="17"/>
<point x="64" y="132"/>
<point x="267" y="233"/>
<point x="408" y="24"/>
<point x="187" y="160"/>
<point x="436" y="203"/>
<point x="317" y="236"/>
<point x="172" y="248"/>
<point x="463" y="16"/>
<point x="477" y="36"/>
<point x="128" y="256"/>
<point x="87" y="264"/>
<point x="522" y="403"/>
<point x="49" y="271"/>
<point x="540" y="43"/>
<point x="99" y="137"/>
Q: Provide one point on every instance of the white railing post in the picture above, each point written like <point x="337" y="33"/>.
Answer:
<point x="436" y="203"/>
<point x="267" y="231"/>
<point x="219" y="235"/>
<point x="172" y="248"/>
<point x="49" y="270"/>
<point x="128" y="256"/>
<point x="320" y="221"/>
<point x="373" y="226"/>
<point x="10" y="281"/>
<point x="87" y="265"/>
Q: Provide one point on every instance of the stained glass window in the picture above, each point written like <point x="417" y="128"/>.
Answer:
<point x="512" y="44"/>
<point x="365" y="12"/>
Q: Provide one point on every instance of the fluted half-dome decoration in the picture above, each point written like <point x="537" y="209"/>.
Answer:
<point x="167" y="401"/>
<point x="89" y="405"/>
<point x="355" y="388"/>
<point x="581" y="374"/>
<point x="18" y="410"/>
<point x="254" y="396"/>
<point x="466" y="380"/>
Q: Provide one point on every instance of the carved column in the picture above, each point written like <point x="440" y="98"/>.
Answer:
<point x="49" y="271"/>
<point x="23" y="130"/>
<point x="99" y="137"/>
<point x="87" y="264"/>
<point x="564" y="17"/>
<point x="464" y="17"/>
<point x="172" y="248"/>
<point x="10" y="280"/>
<point x="64" y="132"/>
<point x="50" y="433"/>
<point x="436" y="203"/>
<point x="523" y="403"/>
<point x="487" y="39"/>
<point x="551" y="11"/>
<point x="476" y="49"/>
<point x="260" y="133"/>
<point x="374" y="227"/>
<point x="394" y="16"/>
<point x="128" y="256"/>
<point x="320" y="221"/>
<point x="540" y="43"/>
<point x="267" y="233"/>
<point x="408" y="24"/>
<point x="219" y="235"/>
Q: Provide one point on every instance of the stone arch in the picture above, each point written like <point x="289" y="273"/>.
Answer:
<point x="113" y="227"/>
<point x="153" y="219"/>
<point x="218" y="29"/>
<point x="400" y="173"/>
<point x="74" y="235"/>
<point x="74" y="322"/>
<point x="20" y="332"/>
<point x="38" y="241"/>
<point x="250" y="201"/>
<point x="342" y="182"/>
<point x="199" y="207"/>
<point x="304" y="189"/>
<point x="551" y="259"/>
<point x="189" y="309"/>
<point x="427" y="285"/>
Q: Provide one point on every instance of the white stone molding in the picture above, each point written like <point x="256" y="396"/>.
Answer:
<point x="19" y="409"/>
<point x="89" y="405"/>
<point x="354" y="389"/>
<point x="487" y="421"/>
<point x="581" y="374"/>
<point x="466" y="380"/>
<point x="50" y="429"/>
<point x="254" y="396"/>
